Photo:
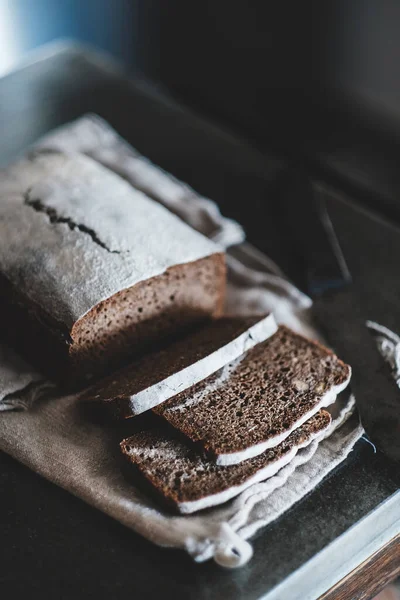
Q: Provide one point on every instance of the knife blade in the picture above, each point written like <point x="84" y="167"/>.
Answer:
<point x="338" y="313"/>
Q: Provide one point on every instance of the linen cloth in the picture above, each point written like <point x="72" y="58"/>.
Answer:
<point x="63" y="440"/>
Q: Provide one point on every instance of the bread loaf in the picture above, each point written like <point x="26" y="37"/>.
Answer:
<point x="92" y="271"/>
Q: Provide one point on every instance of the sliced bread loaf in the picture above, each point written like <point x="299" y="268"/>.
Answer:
<point x="92" y="270"/>
<point x="160" y="375"/>
<point x="255" y="402"/>
<point x="187" y="482"/>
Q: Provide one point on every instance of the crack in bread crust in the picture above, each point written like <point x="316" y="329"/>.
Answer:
<point x="54" y="217"/>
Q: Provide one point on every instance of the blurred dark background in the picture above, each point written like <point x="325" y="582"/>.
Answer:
<point x="231" y="57"/>
<point x="314" y="81"/>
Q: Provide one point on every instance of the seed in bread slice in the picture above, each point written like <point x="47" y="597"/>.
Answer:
<point x="255" y="402"/>
<point x="158" y="376"/>
<point x="188" y="482"/>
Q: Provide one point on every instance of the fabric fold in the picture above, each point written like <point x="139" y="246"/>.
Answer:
<point x="20" y="384"/>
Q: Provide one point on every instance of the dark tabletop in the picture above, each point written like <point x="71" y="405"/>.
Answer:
<point x="54" y="545"/>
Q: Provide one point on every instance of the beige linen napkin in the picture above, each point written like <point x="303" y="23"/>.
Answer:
<point x="68" y="444"/>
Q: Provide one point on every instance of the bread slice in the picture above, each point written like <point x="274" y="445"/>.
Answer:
<point x="156" y="377"/>
<point x="187" y="482"/>
<point x="255" y="402"/>
<point x="93" y="271"/>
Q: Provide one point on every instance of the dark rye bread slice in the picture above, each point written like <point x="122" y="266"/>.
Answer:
<point x="255" y="402"/>
<point x="160" y="375"/>
<point x="93" y="271"/>
<point x="188" y="482"/>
